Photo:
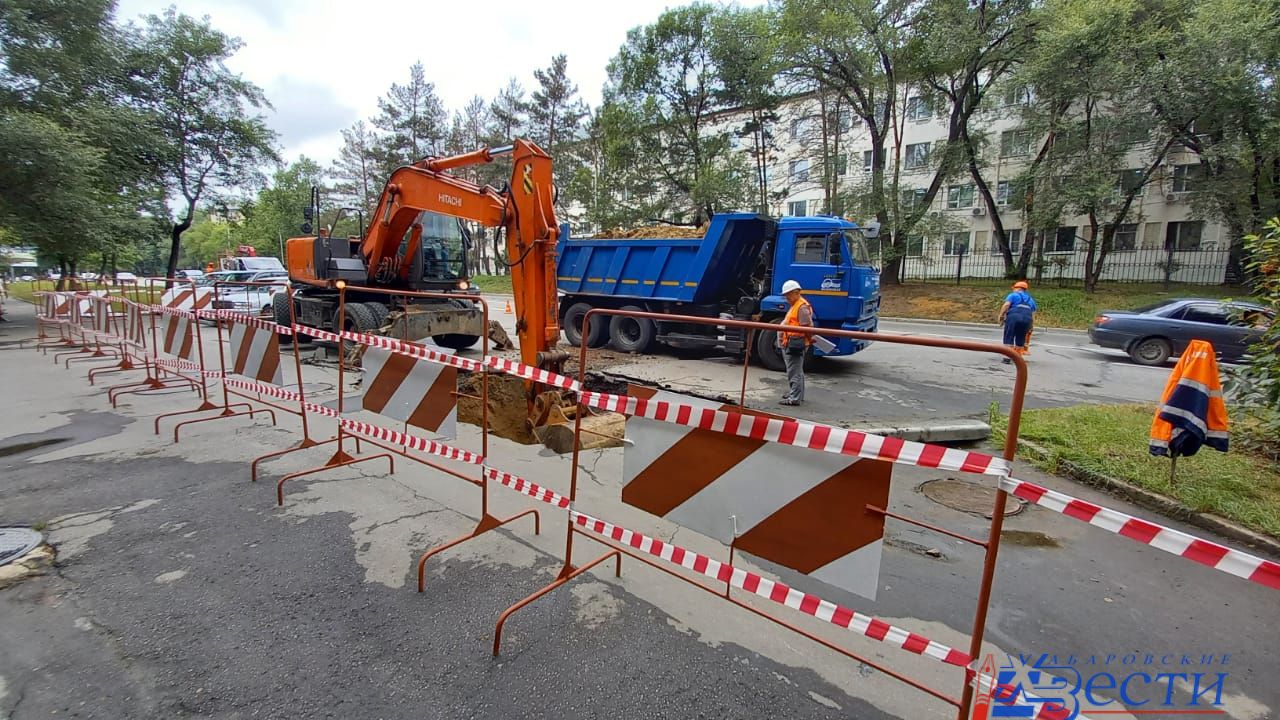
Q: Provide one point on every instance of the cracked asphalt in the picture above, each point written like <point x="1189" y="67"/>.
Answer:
<point x="181" y="590"/>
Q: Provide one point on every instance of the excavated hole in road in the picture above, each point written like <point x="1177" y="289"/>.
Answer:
<point x="508" y="409"/>
<point x="967" y="497"/>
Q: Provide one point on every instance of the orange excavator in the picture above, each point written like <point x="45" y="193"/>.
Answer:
<point x="416" y="242"/>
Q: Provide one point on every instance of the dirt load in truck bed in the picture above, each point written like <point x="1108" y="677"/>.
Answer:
<point x="652" y="232"/>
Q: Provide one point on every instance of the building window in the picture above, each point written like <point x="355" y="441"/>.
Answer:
<point x="917" y="155"/>
<point x="1184" y="236"/>
<point x="867" y="160"/>
<point x="919" y="108"/>
<point x="960" y="196"/>
<point x="1126" y="238"/>
<point x="842" y="164"/>
<point x="1015" y="239"/>
<point x="1015" y="142"/>
<point x="1064" y="240"/>
<point x="1185" y="177"/>
<point x="912" y="199"/>
<point x="1009" y="192"/>
<point x="1131" y="181"/>
<point x="1132" y="134"/>
<point x="915" y="245"/>
<point x="799" y="171"/>
<point x="1019" y="95"/>
<point x="799" y="128"/>
<point x="798" y="208"/>
<point x="955" y="243"/>
<point x="811" y="249"/>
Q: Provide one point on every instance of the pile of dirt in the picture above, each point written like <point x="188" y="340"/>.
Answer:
<point x="653" y="232"/>
<point x="508" y="408"/>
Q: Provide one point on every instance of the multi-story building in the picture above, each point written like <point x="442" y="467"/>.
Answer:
<point x="1160" y="238"/>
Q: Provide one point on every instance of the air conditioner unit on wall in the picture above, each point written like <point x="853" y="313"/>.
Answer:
<point x="979" y="212"/>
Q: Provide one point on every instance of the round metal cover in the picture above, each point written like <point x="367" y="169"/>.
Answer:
<point x="968" y="497"/>
<point x="16" y="542"/>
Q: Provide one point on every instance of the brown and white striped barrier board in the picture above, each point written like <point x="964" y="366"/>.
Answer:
<point x="176" y="336"/>
<point x="787" y="505"/>
<point x="417" y="392"/>
<point x="185" y="297"/>
<point x="103" y="318"/>
<point x="255" y="352"/>
<point x="135" y="329"/>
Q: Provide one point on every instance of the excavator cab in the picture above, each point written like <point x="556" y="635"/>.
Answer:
<point x="441" y="262"/>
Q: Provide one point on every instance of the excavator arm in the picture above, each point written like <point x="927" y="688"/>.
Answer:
<point x="524" y="210"/>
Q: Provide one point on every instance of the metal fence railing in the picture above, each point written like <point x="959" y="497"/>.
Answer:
<point x="1153" y="265"/>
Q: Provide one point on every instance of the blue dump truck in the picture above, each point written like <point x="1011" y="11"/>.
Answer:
<point x="735" y="271"/>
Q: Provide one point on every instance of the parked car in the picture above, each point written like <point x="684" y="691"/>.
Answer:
<point x="126" y="278"/>
<point x="26" y="278"/>
<point x="1152" y="334"/>
<point x="249" y="298"/>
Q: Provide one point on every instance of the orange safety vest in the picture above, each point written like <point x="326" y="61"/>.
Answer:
<point x="793" y="318"/>
<point x="1192" y="412"/>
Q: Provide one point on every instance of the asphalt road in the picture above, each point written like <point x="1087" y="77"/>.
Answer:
<point x="890" y="383"/>
<point x="182" y="591"/>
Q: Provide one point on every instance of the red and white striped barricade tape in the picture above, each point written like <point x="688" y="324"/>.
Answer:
<point x="528" y="372"/>
<point x="275" y="392"/>
<point x="1010" y="696"/>
<point x="533" y="490"/>
<point x="430" y="447"/>
<point x="776" y="591"/>
<point x="799" y="433"/>
<point x="1205" y="552"/>
<point x="400" y="347"/>
<point x="727" y="487"/>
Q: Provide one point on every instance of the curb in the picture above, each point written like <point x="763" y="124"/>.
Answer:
<point x="983" y="326"/>
<point x="939" y="433"/>
<point x="1159" y="503"/>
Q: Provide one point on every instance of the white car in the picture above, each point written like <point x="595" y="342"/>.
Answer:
<point x="126" y="278"/>
<point x="27" y="278"/>
<point x="252" y="299"/>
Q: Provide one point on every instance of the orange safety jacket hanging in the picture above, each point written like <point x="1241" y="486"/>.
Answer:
<point x="793" y="319"/>
<point x="1192" y="412"/>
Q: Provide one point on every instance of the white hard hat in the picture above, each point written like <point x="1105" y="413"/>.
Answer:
<point x="790" y="285"/>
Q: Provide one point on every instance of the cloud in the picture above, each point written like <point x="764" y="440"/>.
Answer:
<point x="305" y="111"/>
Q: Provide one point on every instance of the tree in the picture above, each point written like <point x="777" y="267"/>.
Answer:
<point x="555" y="118"/>
<point x="276" y="212"/>
<point x="1214" y="88"/>
<point x="666" y="78"/>
<point x="73" y="128"/>
<point x="412" y="119"/>
<point x="746" y="53"/>
<point x="355" y="171"/>
<point x="203" y="113"/>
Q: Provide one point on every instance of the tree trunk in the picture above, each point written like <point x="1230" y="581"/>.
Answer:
<point x="175" y="240"/>
<point x="1091" y="271"/>
<point x="62" y="274"/>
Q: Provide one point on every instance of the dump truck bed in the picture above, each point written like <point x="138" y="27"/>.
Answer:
<point x="684" y="270"/>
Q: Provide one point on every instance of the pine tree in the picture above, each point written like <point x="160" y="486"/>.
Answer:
<point x="355" y="171"/>
<point x="555" y="111"/>
<point x="413" y="120"/>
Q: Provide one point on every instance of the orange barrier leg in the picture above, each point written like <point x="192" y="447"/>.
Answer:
<point x="227" y="413"/>
<point x="305" y="444"/>
<point x="567" y="573"/>
<point x="487" y="523"/>
<point x="339" y="459"/>
<point x="205" y="406"/>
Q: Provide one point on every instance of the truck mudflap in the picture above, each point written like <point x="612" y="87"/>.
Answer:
<point x="849" y="346"/>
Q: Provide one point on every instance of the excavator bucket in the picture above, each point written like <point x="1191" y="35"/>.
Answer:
<point x="553" y="420"/>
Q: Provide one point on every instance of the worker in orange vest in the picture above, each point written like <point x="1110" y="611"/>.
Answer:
<point x="795" y="345"/>
<point x="1018" y="315"/>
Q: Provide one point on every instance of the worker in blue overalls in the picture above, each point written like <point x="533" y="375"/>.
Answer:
<point x="1018" y="316"/>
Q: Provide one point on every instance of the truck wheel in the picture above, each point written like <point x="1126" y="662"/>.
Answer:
<point x="380" y="313"/>
<point x="766" y="350"/>
<point x="455" y="341"/>
<point x="631" y="335"/>
<point x="280" y="314"/>
<point x="597" y="334"/>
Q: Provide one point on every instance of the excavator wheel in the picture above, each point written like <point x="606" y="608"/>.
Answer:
<point x="380" y="313"/>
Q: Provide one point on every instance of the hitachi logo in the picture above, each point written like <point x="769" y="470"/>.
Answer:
<point x="450" y="200"/>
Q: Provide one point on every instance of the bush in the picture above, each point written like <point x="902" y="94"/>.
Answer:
<point x="1254" y="387"/>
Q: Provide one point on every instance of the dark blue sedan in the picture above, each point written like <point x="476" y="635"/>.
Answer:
<point x="1152" y="334"/>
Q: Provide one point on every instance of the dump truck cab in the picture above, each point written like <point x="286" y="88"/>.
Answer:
<point x="828" y="257"/>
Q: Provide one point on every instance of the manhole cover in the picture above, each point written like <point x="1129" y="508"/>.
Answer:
<point x="16" y="542"/>
<point x="967" y="497"/>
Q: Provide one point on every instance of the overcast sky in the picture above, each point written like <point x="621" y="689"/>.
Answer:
<point x="323" y="63"/>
